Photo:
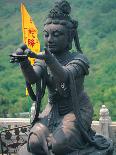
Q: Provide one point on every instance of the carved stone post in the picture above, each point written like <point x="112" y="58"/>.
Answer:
<point x="32" y="111"/>
<point x="104" y="121"/>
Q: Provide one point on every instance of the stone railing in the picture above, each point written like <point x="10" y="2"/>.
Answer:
<point x="104" y="126"/>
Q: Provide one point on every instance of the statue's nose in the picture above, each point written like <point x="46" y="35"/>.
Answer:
<point x="50" y="39"/>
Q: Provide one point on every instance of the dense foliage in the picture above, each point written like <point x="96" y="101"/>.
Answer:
<point x="97" y="32"/>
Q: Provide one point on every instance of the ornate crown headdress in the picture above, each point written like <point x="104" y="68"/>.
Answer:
<point x="60" y="13"/>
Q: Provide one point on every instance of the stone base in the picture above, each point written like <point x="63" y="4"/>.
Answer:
<point x="90" y="150"/>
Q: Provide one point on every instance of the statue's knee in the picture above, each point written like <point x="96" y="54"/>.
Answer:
<point x="33" y="143"/>
<point x="37" y="139"/>
<point x="37" y="144"/>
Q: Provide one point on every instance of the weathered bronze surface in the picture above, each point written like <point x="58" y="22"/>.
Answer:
<point x="65" y="125"/>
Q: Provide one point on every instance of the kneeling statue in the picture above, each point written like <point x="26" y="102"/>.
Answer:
<point x="64" y="127"/>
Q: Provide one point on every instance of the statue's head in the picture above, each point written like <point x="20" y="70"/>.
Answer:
<point x="59" y="28"/>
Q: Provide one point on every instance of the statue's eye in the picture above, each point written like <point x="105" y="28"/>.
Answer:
<point x="56" y="34"/>
<point x="46" y="34"/>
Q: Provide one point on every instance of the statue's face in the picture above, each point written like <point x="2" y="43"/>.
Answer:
<point x="56" y="38"/>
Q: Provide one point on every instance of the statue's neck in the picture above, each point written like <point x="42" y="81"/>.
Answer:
<point x="63" y="57"/>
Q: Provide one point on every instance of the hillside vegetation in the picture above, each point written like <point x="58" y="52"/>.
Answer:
<point x="97" y="33"/>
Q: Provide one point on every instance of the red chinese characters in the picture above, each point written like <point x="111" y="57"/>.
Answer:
<point x="31" y="42"/>
<point x="31" y="31"/>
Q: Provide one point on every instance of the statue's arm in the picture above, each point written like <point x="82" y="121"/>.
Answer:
<point x="32" y="73"/>
<point x="56" y="68"/>
<point x="79" y="67"/>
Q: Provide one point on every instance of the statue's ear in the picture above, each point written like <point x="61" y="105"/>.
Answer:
<point x="73" y="33"/>
<point x="70" y="46"/>
<point x="71" y="37"/>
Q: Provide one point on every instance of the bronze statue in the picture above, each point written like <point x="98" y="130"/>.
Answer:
<point x="64" y="127"/>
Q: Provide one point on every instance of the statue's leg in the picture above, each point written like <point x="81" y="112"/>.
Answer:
<point x="37" y="143"/>
<point x="66" y="138"/>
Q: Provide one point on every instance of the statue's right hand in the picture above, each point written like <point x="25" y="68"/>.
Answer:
<point x="19" y="55"/>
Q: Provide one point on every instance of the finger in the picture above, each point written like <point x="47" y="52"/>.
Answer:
<point x="23" y="46"/>
<point x="27" y="52"/>
<point x="17" y="60"/>
<point x="12" y="60"/>
<point x="19" y="51"/>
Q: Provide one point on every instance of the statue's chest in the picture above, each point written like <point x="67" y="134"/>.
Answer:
<point x="52" y="80"/>
<point x="53" y="83"/>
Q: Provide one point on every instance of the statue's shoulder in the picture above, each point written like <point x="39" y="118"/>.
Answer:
<point x="76" y="56"/>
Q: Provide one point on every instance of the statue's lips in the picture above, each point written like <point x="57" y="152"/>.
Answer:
<point x="52" y="46"/>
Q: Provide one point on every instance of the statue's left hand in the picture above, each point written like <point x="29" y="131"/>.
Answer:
<point x="23" y="53"/>
<point x="19" y="54"/>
